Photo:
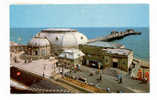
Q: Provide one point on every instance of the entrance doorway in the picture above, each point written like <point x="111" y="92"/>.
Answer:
<point x="36" y="52"/>
<point x="115" y="65"/>
<point x="95" y="64"/>
<point x="115" y="62"/>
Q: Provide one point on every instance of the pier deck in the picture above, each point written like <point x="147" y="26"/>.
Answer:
<point x="114" y="36"/>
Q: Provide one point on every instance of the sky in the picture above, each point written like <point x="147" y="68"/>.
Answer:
<point x="87" y="15"/>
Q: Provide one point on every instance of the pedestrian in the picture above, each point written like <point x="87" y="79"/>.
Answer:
<point x="100" y="77"/>
<point x="133" y="73"/>
<point x="25" y="60"/>
<point x="120" y="81"/>
<point x="108" y="90"/>
<point x="118" y="91"/>
<point x="44" y="67"/>
<point x="129" y="72"/>
<point x="11" y="55"/>
<point x="56" y="64"/>
<point x="120" y="78"/>
<point x="15" y="59"/>
<point x="30" y="59"/>
<point x="43" y="75"/>
<point x="139" y="74"/>
<point x="147" y="76"/>
<point x="79" y="66"/>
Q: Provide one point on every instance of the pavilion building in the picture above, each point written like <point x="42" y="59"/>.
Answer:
<point x="104" y="54"/>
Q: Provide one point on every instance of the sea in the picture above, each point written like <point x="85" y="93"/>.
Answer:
<point x="138" y="43"/>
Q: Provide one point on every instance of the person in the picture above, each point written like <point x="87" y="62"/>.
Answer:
<point x="118" y="91"/>
<point x="30" y="59"/>
<point x="44" y="67"/>
<point x="108" y="90"/>
<point x="120" y="80"/>
<point x="139" y="74"/>
<point x="25" y="61"/>
<point x="15" y="59"/>
<point x="100" y="77"/>
<point x="79" y="66"/>
<point x="147" y="76"/>
<point x="133" y="73"/>
<point x="10" y="55"/>
<point x="43" y="75"/>
<point x="129" y="70"/>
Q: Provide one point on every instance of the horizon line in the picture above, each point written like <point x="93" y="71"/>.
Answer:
<point x="86" y="27"/>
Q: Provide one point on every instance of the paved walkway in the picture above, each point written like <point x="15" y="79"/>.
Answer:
<point x="39" y="67"/>
<point x="110" y="81"/>
<point x="108" y="76"/>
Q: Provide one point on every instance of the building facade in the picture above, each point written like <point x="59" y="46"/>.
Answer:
<point x="71" y="57"/>
<point x="38" y="47"/>
<point x="104" y="56"/>
<point x="63" y="38"/>
<point x="53" y="41"/>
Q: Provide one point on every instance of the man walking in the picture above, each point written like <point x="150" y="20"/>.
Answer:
<point x="120" y="78"/>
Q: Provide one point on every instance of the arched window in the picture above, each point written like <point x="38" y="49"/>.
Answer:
<point x="81" y="37"/>
<point x="36" y="52"/>
<point x="43" y="52"/>
<point x="56" y="38"/>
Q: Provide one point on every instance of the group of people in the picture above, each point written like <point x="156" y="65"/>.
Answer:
<point x="108" y="90"/>
<point x="15" y="59"/>
<point x="28" y="60"/>
<point x="144" y="76"/>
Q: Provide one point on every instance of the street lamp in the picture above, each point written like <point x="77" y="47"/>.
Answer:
<point x="19" y="41"/>
<point x="44" y="70"/>
<point x="100" y="78"/>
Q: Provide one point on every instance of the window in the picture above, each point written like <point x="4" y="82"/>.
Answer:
<point x="123" y="62"/>
<point x="43" y="52"/>
<point x="56" y="38"/>
<point x="106" y="60"/>
<point x="81" y="37"/>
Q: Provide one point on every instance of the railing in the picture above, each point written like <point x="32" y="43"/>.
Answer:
<point x="84" y="85"/>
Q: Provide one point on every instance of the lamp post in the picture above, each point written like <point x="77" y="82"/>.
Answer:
<point x="44" y="68"/>
<point x="100" y="78"/>
<point x="19" y="42"/>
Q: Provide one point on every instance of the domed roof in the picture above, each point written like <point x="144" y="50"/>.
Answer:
<point x="65" y="38"/>
<point x="38" y="41"/>
<point x="59" y="30"/>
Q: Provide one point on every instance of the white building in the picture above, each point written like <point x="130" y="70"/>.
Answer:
<point x="72" y="56"/>
<point x="64" y="38"/>
<point x="52" y="41"/>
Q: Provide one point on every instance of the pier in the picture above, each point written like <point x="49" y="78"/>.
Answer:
<point x="115" y="35"/>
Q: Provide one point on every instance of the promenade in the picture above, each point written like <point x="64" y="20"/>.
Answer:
<point x="109" y="79"/>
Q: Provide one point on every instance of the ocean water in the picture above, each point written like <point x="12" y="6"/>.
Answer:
<point x="138" y="43"/>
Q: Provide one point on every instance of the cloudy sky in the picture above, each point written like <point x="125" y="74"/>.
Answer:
<point x="104" y="15"/>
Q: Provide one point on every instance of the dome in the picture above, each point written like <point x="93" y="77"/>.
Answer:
<point x="38" y="41"/>
<point x="65" y="38"/>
